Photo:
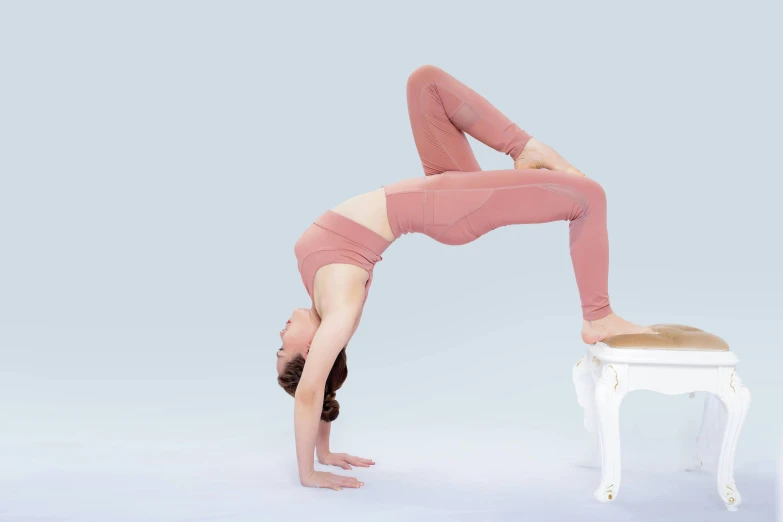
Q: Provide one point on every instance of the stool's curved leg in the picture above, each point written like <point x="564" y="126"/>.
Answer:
<point x="736" y="397"/>
<point x="584" y="381"/>
<point x="611" y="387"/>
<point x="709" y="439"/>
<point x="699" y="453"/>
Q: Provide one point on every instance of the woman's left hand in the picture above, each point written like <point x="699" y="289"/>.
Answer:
<point x="537" y="155"/>
<point x="345" y="461"/>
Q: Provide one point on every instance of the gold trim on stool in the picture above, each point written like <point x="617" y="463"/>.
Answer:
<point x="616" y="378"/>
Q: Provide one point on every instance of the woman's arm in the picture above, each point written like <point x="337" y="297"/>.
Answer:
<point x="356" y="323"/>
<point x="332" y="335"/>
<point x="322" y="441"/>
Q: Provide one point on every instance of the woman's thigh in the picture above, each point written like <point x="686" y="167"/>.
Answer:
<point x="463" y="206"/>
<point x="441" y="145"/>
<point x="442" y="109"/>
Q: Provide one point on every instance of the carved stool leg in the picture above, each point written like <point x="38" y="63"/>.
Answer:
<point x="709" y="439"/>
<point x="584" y="381"/>
<point x="610" y="389"/>
<point x="736" y="397"/>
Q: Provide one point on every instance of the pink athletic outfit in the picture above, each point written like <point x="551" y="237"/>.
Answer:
<point x="456" y="202"/>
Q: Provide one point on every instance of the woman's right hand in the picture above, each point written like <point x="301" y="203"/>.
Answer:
<point x="323" y="479"/>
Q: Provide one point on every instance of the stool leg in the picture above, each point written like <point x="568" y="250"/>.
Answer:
<point x="584" y="382"/>
<point x="736" y="397"/>
<point x="610" y="389"/>
<point x="709" y="440"/>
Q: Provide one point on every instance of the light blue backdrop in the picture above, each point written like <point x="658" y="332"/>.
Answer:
<point x="159" y="160"/>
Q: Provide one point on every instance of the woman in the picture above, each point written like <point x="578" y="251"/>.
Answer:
<point x="454" y="203"/>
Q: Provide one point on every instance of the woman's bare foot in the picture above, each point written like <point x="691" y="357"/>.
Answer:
<point x="594" y="331"/>
<point x="537" y="155"/>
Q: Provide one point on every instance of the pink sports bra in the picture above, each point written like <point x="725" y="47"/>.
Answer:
<point x="333" y="238"/>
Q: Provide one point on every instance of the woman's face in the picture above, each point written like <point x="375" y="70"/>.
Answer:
<point x="297" y="335"/>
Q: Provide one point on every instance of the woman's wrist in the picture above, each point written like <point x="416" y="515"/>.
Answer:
<point x="304" y="478"/>
<point x="322" y="455"/>
<point x="305" y="474"/>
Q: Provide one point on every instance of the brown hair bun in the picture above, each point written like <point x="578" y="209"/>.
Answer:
<point x="331" y="408"/>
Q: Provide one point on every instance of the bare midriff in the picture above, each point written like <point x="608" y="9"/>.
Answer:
<point x="369" y="210"/>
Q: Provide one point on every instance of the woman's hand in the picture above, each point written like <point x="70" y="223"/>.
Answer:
<point x="537" y="155"/>
<point x="344" y="460"/>
<point x="323" y="479"/>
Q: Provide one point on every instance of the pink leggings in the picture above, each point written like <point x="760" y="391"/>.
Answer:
<point x="456" y="202"/>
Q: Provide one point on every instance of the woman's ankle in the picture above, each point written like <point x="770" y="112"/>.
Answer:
<point x="611" y="316"/>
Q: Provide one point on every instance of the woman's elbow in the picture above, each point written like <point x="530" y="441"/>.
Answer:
<point x="305" y="395"/>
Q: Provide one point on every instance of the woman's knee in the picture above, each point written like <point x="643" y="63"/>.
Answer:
<point x="593" y="191"/>
<point x="424" y="74"/>
<point x="587" y="192"/>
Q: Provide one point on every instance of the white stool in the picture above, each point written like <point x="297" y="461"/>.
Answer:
<point x="679" y="359"/>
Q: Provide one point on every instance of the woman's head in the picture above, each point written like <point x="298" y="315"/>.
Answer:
<point x="292" y="372"/>
<point x="297" y="336"/>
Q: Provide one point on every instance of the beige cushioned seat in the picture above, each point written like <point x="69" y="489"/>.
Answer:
<point x="670" y="337"/>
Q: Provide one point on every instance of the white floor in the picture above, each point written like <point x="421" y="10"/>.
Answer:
<point x="189" y="425"/>
<point x="236" y="486"/>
